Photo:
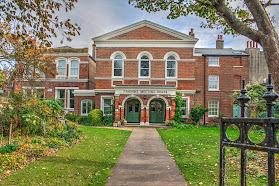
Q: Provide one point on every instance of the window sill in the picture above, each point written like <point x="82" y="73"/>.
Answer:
<point x="238" y="66"/>
<point x="213" y="65"/>
<point x="214" y="90"/>
<point x="213" y="116"/>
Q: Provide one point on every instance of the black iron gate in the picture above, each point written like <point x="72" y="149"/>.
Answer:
<point x="269" y="144"/>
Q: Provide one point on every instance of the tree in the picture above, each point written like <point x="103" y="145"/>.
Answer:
<point x="257" y="104"/>
<point x="178" y="112"/>
<point x="26" y="28"/>
<point x="250" y="19"/>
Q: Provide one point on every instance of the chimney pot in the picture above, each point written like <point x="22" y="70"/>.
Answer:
<point x="220" y="42"/>
<point x="192" y="33"/>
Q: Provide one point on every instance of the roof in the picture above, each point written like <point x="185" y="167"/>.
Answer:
<point x="147" y="24"/>
<point x="220" y="52"/>
<point x="67" y="49"/>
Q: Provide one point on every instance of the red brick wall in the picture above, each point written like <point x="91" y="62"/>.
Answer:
<point x="144" y="33"/>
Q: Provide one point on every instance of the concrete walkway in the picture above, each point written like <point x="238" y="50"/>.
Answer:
<point x="145" y="161"/>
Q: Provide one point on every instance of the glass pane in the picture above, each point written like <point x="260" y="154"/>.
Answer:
<point x="159" y="107"/>
<point x="61" y="64"/>
<point x="171" y="58"/>
<point x="171" y="64"/>
<point x="84" y="107"/>
<point x="74" y="64"/>
<point x="130" y="107"/>
<point x="144" y="57"/>
<point x="118" y="57"/>
<point x="71" y="94"/>
<point x="171" y="73"/>
<point x="74" y="71"/>
<point x="107" y="102"/>
<point x="152" y="106"/>
<point x="61" y="71"/>
<point x="61" y="94"/>
<point x="144" y="64"/>
<point x="72" y="103"/>
<point x="89" y="106"/>
<point x="117" y="72"/>
<point x="117" y="64"/>
<point x="183" y="109"/>
<point x="107" y="110"/>
<point x="137" y="107"/>
<point x="144" y="72"/>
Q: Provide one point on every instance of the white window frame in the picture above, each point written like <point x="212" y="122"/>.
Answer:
<point x="57" y="61"/>
<point x="32" y="90"/>
<point x="213" y="65"/>
<point x="69" y="101"/>
<point x="113" y="68"/>
<point x="140" y="55"/>
<point x="56" y="95"/>
<point x="70" y="67"/>
<point x="213" y="89"/>
<point x="166" y="65"/>
<point x="67" y="95"/>
<point x="187" y="107"/>
<point x="103" y="102"/>
<point x="81" y="104"/>
<point x="209" y="107"/>
<point x="113" y="55"/>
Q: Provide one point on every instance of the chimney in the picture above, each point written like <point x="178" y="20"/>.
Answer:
<point x="192" y="33"/>
<point x="220" y="42"/>
<point x="94" y="50"/>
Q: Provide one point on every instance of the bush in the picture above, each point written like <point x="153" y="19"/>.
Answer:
<point x="108" y="121"/>
<point x="73" y="117"/>
<point x="183" y="126"/>
<point x="56" y="142"/>
<point x="262" y="115"/>
<point x="9" y="148"/>
<point x="95" y="117"/>
<point x="82" y="120"/>
<point x="197" y="113"/>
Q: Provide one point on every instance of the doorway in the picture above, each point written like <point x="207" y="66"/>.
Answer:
<point x="133" y="111"/>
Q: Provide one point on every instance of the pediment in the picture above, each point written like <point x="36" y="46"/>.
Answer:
<point x="145" y="30"/>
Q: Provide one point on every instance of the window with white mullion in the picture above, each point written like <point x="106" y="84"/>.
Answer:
<point x="61" y="95"/>
<point x="107" y="106"/>
<point x="213" y="108"/>
<point x="118" y="66"/>
<point x="171" y="67"/>
<point x="213" y="61"/>
<point x="74" y="68"/>
<point x="62" y="68"/>
<point x="86" y="106"/>
<point x="144" y="66"/>
<point x="71" y="99"/>
<point x="184" y="108"/>
<point x="213" y="82"/>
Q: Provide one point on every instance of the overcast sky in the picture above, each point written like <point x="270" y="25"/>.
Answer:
<point x="97" y="17"/>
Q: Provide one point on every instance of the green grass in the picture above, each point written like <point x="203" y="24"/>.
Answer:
<point x="196" y="152"/>
<point x="90" y="162"/>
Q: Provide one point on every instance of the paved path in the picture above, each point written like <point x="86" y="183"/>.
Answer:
<point x="145" y="161"/>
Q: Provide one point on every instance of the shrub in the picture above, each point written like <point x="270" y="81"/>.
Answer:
<point x="95" y="117"/>
<point x="9" y="148"/>
<point x="73" y="117"/>
<point x="56" y="142"/>
<point x="183" y="126"/>
<point x="262" y="115"/>
<point x="168" y="122"/>
<point x="82" y="120"/>
<point x="108" y="120"/>
<point x="197" y="113"/>
<point x="12" y="161"/>
<point x="178" y="104"/>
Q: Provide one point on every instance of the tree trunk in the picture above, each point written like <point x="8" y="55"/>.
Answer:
<point x="10" y="133"/>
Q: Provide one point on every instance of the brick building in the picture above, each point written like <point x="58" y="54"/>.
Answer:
<point x="72" y="74"/>
<point x="143" y="65"/>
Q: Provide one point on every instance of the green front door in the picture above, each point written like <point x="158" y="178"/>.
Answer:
<point x="133" y="111"/>
<point x="156" y="111"/>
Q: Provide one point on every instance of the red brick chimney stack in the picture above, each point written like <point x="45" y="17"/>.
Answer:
<point x="220" y="42"/>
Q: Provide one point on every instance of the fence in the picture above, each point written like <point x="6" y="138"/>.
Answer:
<point x="269" y="144"/>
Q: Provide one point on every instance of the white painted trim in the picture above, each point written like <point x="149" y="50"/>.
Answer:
<point x="104" y="90"/>
<point x="187" y="79"/>
<point x="149" y="55"/>
<point x="83" y="62"/>
<point x="218" y="83"/>
<point x="65" y="95"/>
<point x="144" y="79"/>
<point x="187" y="92"/>
<point x="84" y="92"/>
<point x="146" y="43"/>
<point x="69" y="54"/>
<point x="180" y="60"/>
<point x="132" y="96"/>
<point x="145" y="53"/>
<point x="70" y="66"/>
<point x="144" y="23"/>
<point x="187" y="106"/>
<point x="114" y="54"/>
<point x="157" y="97"/>
<point x="86" y="106"/>
<point x="112" y="63"/>
<point x="174" y="54"/>
<point x="238" y="66"/>
<point x="66" y="88"/>
<point x="186" y="60"/>
<point x="211" y="116"/>
<point x="213" y="65"/>
<point x="112" y="85"/>
<point x="66" y="80"/>
<point x="236" y="90"/>
<point x="66" y="69"/>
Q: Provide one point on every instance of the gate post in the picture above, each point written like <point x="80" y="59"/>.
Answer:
<point x="270" y="96"/>
<point x="243" y="99"/>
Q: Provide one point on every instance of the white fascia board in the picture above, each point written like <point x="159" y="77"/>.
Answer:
<point x="104" y="90"/>
<point x="187" y="91"/>
<point x="66" y="80"/>
<point x="147" y="43"/>
<point x="84" y="92"/>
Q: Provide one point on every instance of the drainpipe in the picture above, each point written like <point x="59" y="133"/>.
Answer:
<point x="204" y="88"/>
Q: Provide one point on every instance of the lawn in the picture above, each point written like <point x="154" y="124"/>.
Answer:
<point x="196" y="152"/>
<point x="90" y="162"/>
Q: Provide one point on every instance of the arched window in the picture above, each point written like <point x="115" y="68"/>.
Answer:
<point x="144" y="66"/>
<point x="118" y="66"/>
<point x="171" y="67"/>
<point x="62" y="67"/>
<point x="74" y="68"/>
<point x="86" y="106"/>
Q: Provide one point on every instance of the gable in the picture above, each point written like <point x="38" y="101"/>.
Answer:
<point x="144" y="33"/>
